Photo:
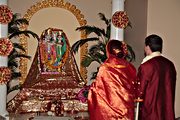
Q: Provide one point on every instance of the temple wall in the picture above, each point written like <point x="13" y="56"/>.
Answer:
<point x="63" y="19"/>
<point x="163" y="19"/>
<point x="137" y="12"/>
<point x="160" y="17"/>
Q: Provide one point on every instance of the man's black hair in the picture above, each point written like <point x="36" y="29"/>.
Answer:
<point x="154" y="42"/>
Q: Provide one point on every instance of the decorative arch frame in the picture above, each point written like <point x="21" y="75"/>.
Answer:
<point x="47" y="4"/>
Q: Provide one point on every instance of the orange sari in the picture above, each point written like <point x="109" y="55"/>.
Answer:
<point x="111" y="96"/>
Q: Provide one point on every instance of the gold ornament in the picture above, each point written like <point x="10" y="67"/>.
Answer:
<point x="6" y="46"/>
<point x="120" y="19"/>
<point x="6" y="14"/>
<point x="5" y="75"/>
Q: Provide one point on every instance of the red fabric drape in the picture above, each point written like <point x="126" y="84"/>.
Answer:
<point x="111" y="96"/>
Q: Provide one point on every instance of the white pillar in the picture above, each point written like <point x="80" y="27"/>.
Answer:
<point x="117" y="33"/>
<point x="3" y="62"/>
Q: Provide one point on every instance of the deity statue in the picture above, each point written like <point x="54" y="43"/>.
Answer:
<point x="53" y="75"/>
<point x="53" y="47"/>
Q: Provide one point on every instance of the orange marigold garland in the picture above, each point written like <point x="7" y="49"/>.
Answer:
<point x="6" y="14"/>
<point x="125" y="49"/>
<point x="5" y="75"/>
<point x="6" y="46"/>
<point x="120" y="19"/>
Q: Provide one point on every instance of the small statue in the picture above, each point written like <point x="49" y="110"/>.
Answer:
<point x="48" y="106"/>
<point x="59" y="109"/>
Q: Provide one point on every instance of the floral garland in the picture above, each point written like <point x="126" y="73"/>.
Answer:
<point x="6" y="14"/>
<point x="5" y="75"/>
<point x="125" y="49"/>
<point x="83" y="94"/>
<point x="6" y="46"/>
<point x="120" y="19"/>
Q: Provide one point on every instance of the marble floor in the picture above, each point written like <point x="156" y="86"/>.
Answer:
<point x="44" y="116"/>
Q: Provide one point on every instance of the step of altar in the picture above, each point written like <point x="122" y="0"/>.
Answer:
<point x="52" y="118"/>
<point x="44" y="116"/>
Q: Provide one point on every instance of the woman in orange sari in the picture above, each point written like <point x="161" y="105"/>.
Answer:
<point x="111" y="95"/>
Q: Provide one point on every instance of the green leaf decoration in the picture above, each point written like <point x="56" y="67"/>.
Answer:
<point x="86" y="61"/>
<point x="91" y="29"/>
<point x="25" y="32"/>
<point x="14" y="31"/>
<point x="17" y="87"/>
<point x="97" y="52"/>
<point x="81" y="42"/>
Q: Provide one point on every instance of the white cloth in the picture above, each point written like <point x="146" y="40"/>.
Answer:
<point x="152" y="55"/>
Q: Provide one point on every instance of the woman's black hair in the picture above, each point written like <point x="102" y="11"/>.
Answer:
<point x="115" y="44"/>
